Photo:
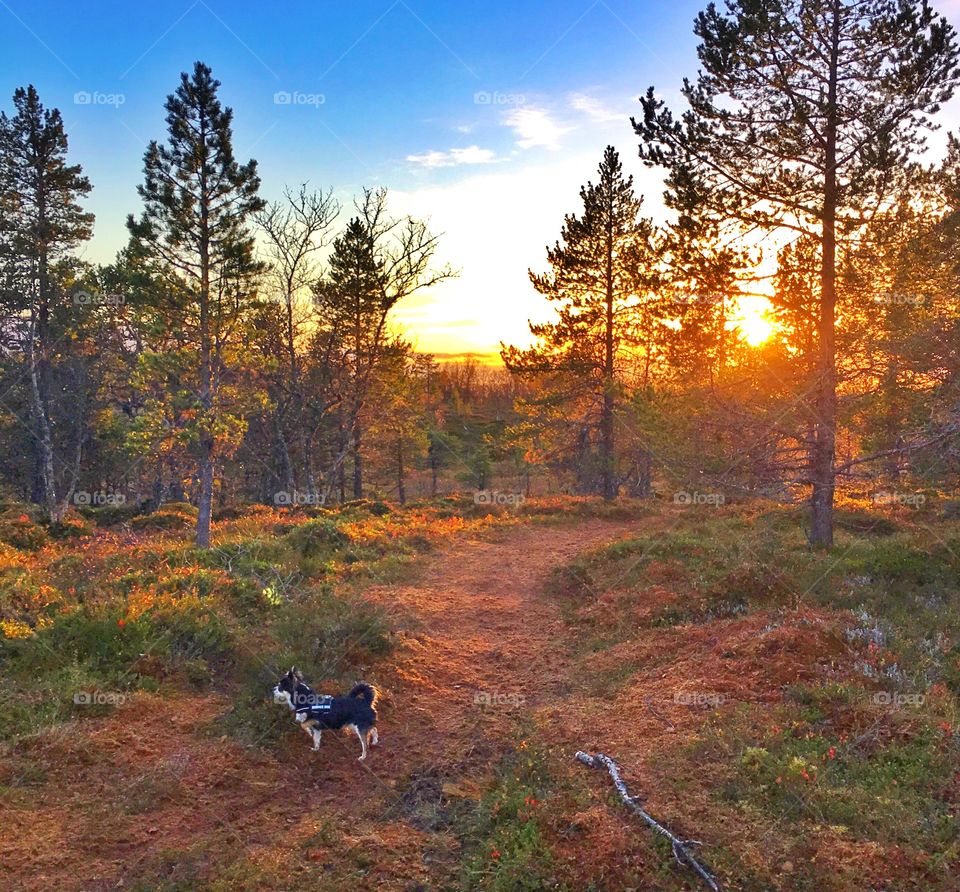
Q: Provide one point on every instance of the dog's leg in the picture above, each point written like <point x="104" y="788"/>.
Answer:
<point x="316" y="734"/>
<point x="374" y="737"/>
<point x="363" y="742"/>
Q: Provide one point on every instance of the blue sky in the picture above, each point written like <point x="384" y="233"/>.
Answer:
<point x="485" y="117"/>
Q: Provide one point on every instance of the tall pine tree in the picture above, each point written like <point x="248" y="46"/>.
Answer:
<point x="199" y="203"/>
<point x="353" y="304"/>
<point x="41" y="221"/>
<point x="802" y="119"/>
<point x="601" y="280"/>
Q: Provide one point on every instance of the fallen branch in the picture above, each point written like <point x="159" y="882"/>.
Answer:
<point x="681" y="847"/>
<point x="658" y="715"/>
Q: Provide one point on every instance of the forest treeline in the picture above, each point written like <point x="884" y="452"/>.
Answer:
<point x="239" y="350"/>
<point x="235" y="351"/>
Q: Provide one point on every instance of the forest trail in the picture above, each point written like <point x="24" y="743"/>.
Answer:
<point x="490" y="648"/>
<point x="482" y="652"/>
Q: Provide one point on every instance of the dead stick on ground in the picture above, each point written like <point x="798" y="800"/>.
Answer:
<point x="681" y="847"/>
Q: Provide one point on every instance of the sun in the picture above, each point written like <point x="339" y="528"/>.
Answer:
<point x="753" y="320"/>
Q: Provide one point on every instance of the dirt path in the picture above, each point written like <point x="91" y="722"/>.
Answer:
<point x="115" y="795"/>
<point x="489" y="649"/>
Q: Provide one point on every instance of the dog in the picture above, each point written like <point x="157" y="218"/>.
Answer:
<point x="316" y="713"/>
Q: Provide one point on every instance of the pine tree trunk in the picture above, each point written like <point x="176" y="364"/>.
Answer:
<point x="284" y="462"/>
<point x="644" y="474"/>
<point x="40" y="385"/>
<point x="401" y="490"/>
<point x="40" y="388"/>
<point x="310" y="480"/>
<point x="175" y="490"/>
<point x="825" y="442"/>
<point x="205" y="503"/>
<point x="357" y="461"/>
<point x="156" y="492"/>
<point x="36" y="486"/>
<point x="44" y="444"/>
<point x="340" y="471"/>
<point x="606" y="419"/>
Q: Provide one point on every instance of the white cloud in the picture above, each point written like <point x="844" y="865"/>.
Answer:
<point x="455" y="157"/>
<point x="594" y="109"/>
<point x="535" y="127"/>
<point x="494" y="224"/>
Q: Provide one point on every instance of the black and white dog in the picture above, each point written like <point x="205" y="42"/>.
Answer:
<point x="315" y="713"/>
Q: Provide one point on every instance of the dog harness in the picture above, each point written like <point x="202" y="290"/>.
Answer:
<point x="316" y="710"/>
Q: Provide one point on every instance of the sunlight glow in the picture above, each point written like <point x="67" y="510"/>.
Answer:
<point x="753" y="321"/>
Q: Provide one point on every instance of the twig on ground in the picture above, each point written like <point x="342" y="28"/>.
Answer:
<point x="658" y="715"/>
<point x="681" y="847"/>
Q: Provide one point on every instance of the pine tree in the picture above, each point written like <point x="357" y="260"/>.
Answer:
<point x="353" y="304"/>
<point x="377" y="262"/>
<point x="601" y="278"/>
<point x="198" y="206"/>
<point x="802" y="118"/>
<point x="41" y="222"/>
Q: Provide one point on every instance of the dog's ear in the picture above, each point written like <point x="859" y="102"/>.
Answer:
<point x="296" y="673"/>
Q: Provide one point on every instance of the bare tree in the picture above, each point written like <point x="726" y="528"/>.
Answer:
<point x="378" y="262"/>
<point x="296" y="229"/>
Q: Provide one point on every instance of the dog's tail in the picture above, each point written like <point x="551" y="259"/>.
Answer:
<point x="366" y="692"/>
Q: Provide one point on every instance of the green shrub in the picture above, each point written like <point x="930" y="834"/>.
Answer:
<point x="317" y="536"/>
<point x="890" y="795"/>
<point x="70" y="528"/>
<point x="864" y="523"/>
<point x="107" y="647"/>
<point x="112" y="515"/>
<point x="510" y="852"/>
<point x="181" y="508"/>
<point x="376" y="507"/>
<point x="22" y="532"/>
<point x="167" y="518"/>
<point x="903" y="563"/>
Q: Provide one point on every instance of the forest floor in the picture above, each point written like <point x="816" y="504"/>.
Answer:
<point x="512" y="647"/>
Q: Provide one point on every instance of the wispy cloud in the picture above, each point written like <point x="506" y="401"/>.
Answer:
<point x="594" y="109"/>
<point x="535" y="127"/>
<point x="455" y="157"/>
